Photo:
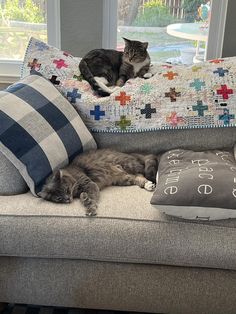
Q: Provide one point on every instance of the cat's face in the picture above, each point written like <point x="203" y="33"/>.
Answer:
<point x="135" y="51"/>
<point x="58" y="188"/>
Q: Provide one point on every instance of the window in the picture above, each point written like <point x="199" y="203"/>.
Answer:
<point x="170" y="27"/>
<point x="19" y="20"/>
<point x="177" y="30"/>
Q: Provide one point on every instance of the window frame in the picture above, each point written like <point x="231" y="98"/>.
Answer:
<point x="216" y="32"/>
<point x="10" y="69"/>
<point x="109" y="29"/>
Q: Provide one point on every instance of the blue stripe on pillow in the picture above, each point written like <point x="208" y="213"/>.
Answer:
<point x="23" y="91"/>
<point x="5" y="123"/>
<point x="12" y="88"/>
<point x="15" y="138"/>
<point x="40" y="173"/>
<point x="51" y="114"/>
<point x="25" y="148"/>
<point x="70" y="141"/>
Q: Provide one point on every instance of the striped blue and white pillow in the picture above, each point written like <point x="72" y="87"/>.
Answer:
<point x="39" y="130"/>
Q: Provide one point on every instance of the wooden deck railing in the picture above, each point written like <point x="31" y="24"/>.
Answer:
<point x="175" y="7"/>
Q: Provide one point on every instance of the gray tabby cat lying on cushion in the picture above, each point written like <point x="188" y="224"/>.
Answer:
<point x="106" y="67"/>
<point x="92" y="171"/>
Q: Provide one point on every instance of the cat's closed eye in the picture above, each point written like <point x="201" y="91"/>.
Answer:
<point x="58" y="199"/>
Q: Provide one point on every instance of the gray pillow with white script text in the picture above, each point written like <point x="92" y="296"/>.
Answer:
<point x="189" y="178"/>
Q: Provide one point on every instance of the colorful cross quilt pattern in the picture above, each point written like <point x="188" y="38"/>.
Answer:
<point x="176" y="97"/>
<point x="198" y="96"/>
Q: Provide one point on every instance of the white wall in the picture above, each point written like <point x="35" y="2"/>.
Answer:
<point x="81" y="25"/>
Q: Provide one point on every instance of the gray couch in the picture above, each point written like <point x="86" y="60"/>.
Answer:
<point x="130" y="257"/>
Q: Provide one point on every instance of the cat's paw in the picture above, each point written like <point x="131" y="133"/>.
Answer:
<point x="149" y="186"/>
<point x="147" y="75"/>
<point x="89" y="204"/>
<point x="91" y="210"/>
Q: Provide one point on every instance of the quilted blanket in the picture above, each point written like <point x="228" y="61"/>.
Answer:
<point x="198" y="96"/>
<point x="202" y="95"/>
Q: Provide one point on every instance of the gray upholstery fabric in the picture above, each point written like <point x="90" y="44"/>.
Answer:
<point x="159" y="141"/>
<point x="11" y="181"/>
<point x="116" y="286"/>
<point x="127" y="229"/>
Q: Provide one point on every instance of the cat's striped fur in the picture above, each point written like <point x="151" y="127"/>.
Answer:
<point x="115" y="67"/>
<point x="93" y="171"/>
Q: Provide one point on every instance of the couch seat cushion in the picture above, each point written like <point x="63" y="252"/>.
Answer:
<point x="128" y="229"/>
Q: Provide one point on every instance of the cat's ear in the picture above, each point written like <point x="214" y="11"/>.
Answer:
<point x="145" y="45"/>
<point x="58" y="175"/>
<point x="127" y="41"/>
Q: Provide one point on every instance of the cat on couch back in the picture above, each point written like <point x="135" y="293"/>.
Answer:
<point x="106" y="67"/>
<point x="92" y="171"/>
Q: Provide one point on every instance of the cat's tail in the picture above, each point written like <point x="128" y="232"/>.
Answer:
<point x="150" y="163"/>
<point x="100" y="88"/>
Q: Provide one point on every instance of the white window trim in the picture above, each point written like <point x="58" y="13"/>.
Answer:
<point x="54" y="23"/>
<point x="10" y="69"/>
<point x="109" y="29"/>
<point x="216" y="29"/>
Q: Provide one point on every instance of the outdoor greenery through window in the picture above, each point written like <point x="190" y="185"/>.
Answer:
<point x="19" y="20"/>
<point x="151" y="20"/>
